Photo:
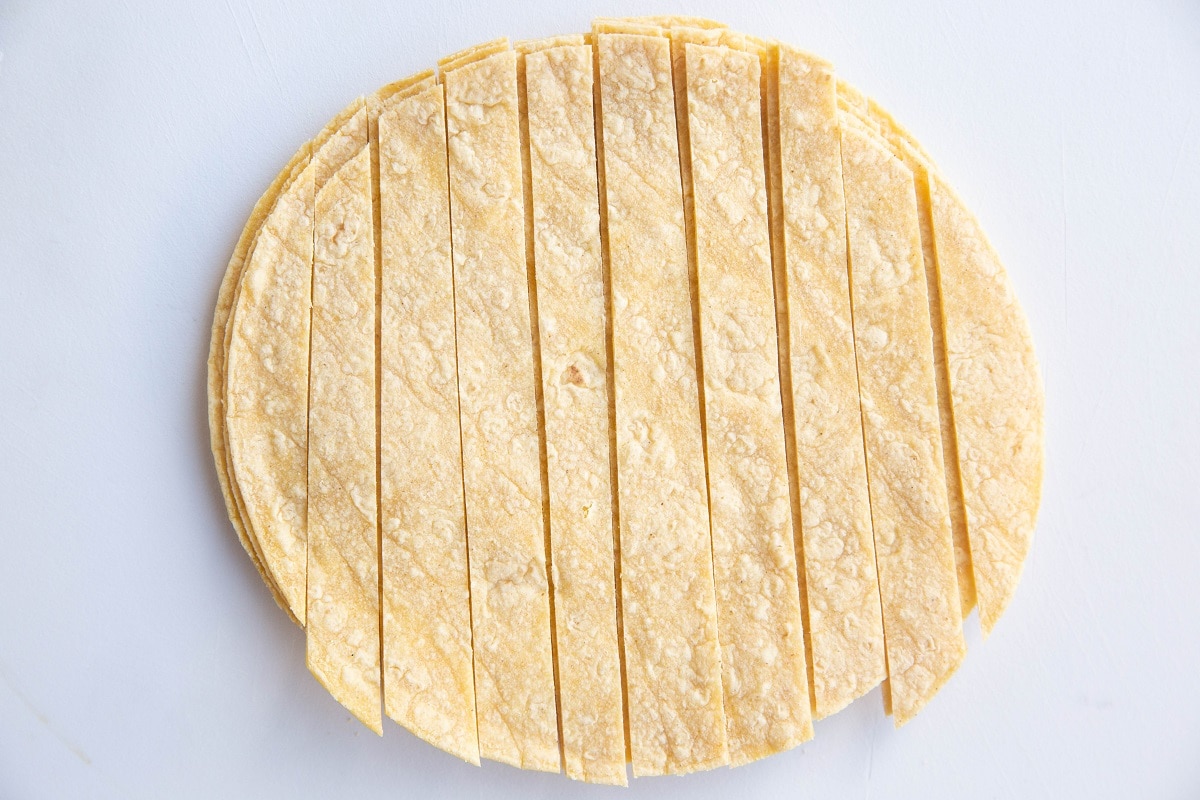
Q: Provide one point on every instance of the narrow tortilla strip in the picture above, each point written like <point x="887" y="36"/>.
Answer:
<point x="319" y="152"/>
<point x="216" y="360"/>
<point x="429" y="686"/>
<point x="571" y="314"/>
<point x="998" y="401"/>
<point x="914" y="550"/>
<point x="514" y="669"/>
<point x="343" y="601"/>
<point x="267" y="388"/>
<point x="845" y="618"/>
<point x="903" y="150"/>
<point x="676" y="719"/>
<point x="767" y="707"/>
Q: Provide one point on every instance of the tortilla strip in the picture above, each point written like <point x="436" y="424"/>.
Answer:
<point x="914" y="549"/>
<point x="767" y="707"/>
<point x="845" y="618"/>
<point x="216" y="361"/>
<point x="429" y="686"/>
<point x="266" y="385"/>
<point x="999" y="404"/>
<point x="672" y="656"/>
<point x="991" y="369"/>
<point x="510" y="596"/>
<point x="903" y="150"/>
<point x="343" y="590"/>
<point x="572" y="321"/>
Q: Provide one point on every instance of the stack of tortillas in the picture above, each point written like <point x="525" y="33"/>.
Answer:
<point x="636" y="396"/>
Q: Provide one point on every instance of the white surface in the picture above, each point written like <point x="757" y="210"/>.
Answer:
<point x="140" y="657"/>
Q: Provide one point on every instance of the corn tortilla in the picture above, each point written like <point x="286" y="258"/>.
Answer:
<point x="845" y="618"/>
<point x="429" y="686"/>
<point x="918" y="589"/>
<point x="572" y="321"/>
<point x="343" y="601"/>
<point x="880" y="128"/>
<point x="672" y="657"/>
<point x="754" y="552"/>
<point x="510" y="596"/>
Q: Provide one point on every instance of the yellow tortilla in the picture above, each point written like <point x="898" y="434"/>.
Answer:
<point x="845" y="618"/>
<point x="572" y="319"/>
<point x="879" y="128"/>
<point x="672" y="657"/>
<point x="999" y="403"/>
<point x="267" y="388"/>
<point x="223" y="332"/>
<point x="994" y="383"/>
<point x="429" y="686"/>
<point x="514" y="667"/>
<point x="922" y="618"/>
<point x="754" y="553"/>
<point x="216" y="363"/>
<point x="343" y="589"/>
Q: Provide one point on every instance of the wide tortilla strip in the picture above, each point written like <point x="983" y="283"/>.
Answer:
<point x="267" y="388"/>
<point x="572" y="321"/>
<point x="672" y="657"/>
<point x="510" y="596"/>
<point x="343" y="602"/>
<point x="429" y="686"/>
<point x="913" y="544"/>
<point x="999" y="403"/>
<point x="763" y="668"/>
<point x="844" y="614"/>
<point x="878" y="128"/>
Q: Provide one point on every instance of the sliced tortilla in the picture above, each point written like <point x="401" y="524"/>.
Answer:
<point x="343" y="589"/>
<point x="913" y="542"/>
<point x="510" y="599"/>
<point x="995" y="386"/>
<point x="222" y="334"/>
<point x="672" y="656"/>
<point x="845" y="618"/>
<point x="267" y="388"/>
<point x="763" y="668"/>
<point x="429" y="686"/>
<point x="880" y="130"/>
<point x="572" y="322"/>
<point x="216" y="362"/>
<point x="999" y="403"/>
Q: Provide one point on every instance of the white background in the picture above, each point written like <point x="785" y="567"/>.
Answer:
<point x="141" y="657"/>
